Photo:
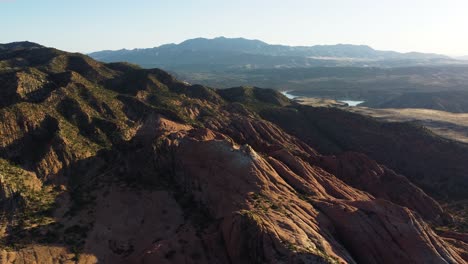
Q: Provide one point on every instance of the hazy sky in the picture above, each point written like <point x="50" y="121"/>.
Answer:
<point x="88" y="25"/>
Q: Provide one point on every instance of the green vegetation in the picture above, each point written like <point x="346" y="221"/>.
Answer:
<point x="253" y="100"/>
<point x="29" y="204"/>
<point x="262" y="202"/>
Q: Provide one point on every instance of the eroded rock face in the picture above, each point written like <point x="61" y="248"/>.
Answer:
<point x="240" y="174"/>
<point x="132" y="166"/>
<point x="380" y="232"/>
<point x="363" y="173"/>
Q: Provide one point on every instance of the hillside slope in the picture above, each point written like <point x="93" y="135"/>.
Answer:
<point x="450" y="101"/>
<point x="111" y="163"/>
<point x="445" y="124"/>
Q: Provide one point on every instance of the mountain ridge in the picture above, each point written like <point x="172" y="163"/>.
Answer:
<point x="20" y="45"/>
<point x="222" y="51"/>
<point x="230" y="44"/>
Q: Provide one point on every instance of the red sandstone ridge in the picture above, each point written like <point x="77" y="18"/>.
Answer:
<point x="363" y="173"/>
<point x="266" y="214"/>
<point x="118" y="164"/>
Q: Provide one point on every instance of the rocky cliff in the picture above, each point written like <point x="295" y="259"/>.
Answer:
<point x="111" y="163"/>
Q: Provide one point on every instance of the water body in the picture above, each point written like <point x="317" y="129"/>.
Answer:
<point x="351" y="102"/>
<point x="288" y="95"/>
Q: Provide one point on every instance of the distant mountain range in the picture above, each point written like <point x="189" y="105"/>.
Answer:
<point x="240" y="53"/>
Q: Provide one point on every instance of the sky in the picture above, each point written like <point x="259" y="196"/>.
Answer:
<point x="90" y="25"/>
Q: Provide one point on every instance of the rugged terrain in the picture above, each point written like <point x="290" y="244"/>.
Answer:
<point x="383" y="79"/>
<point x="112" y="163"/>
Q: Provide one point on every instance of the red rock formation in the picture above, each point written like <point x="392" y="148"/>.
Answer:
<point x="265" y="192"/>
<point x="365" y="174"/>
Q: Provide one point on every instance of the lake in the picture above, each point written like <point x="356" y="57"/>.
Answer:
<point x="349" y="102"/>
<point x="288" y="95"/>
